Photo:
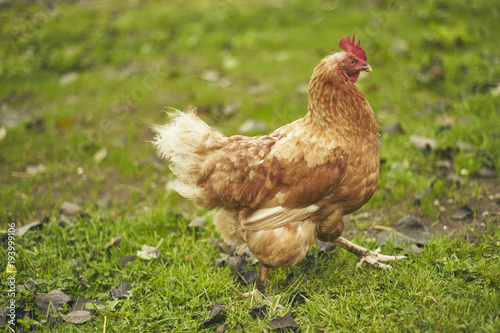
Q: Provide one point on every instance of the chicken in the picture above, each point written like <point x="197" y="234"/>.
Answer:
<point x="279" y="192"/>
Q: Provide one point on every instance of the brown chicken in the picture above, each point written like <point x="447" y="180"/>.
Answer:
<point x="279" y="192"/>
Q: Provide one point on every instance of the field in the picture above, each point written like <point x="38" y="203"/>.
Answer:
<point x="82" y="82"/>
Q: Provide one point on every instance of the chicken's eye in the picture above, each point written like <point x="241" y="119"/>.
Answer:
<point x="352" y="62"/>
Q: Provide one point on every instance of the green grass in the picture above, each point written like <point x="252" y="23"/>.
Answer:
<point x="452" y="285"/>
<point x="131" y="59"/>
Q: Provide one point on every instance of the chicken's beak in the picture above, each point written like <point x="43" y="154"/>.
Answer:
<point x="366" y="67"/>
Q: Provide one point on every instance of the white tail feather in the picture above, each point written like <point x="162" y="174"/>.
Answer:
<point x="183" y="142"/>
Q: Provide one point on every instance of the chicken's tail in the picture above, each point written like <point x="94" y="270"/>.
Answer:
<point x="185" y="142"/>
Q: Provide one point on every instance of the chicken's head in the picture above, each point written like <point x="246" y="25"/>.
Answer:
<point x="353" y="60"/>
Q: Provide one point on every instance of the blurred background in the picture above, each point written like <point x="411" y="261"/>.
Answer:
<point x="81" y="83"/>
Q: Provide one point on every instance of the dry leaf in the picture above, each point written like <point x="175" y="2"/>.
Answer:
<point x="148" y="253"/>
<point x="283" y="324"/>
<point x="125" y="260"/>
<point x="77" y="317"/>
<point x="31" y="170"/>
<point x="100" y="155"/>
<point x="52" y="300"/>
<point x="422" y="143"/>
<point x="3" y="133"/>
<point x="463" y="213"/>
<point x="115" y="241"/>
<point x="218" y="314"/>
<point x="68" y="78"/>
<point x="70" y="208"/>
<point x="198" y="222"/>
<point x="122" y="291"/>
<point x="259" y="311"/>
<point x="25" y="228"/>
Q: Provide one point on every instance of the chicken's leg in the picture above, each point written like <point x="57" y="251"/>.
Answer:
<point x="261" y="277"/>
<point x="371" y="257"/>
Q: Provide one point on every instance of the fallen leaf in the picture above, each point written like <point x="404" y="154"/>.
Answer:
<point x="282" y="324"/>
<point x="407" y="230"/>
<point x="487" y="173"/>
<point x="218" y="314"/>
<point x="222" y="261"/>
<point x="30" y="286"/>
<point x="104" y="203"/>
<point x="30" y="171"/>
<point x="100" y="155"/>
<point x="417" y="197"/>
<point x="222" y="328"/>
<point x="211" y="75"/>
<point x="83" y="281"/>
<point x="3" y="315"/>
<point x="259" y="311"/>
<point x="464" y="146"/>
<point x="241" y="273"/>
<point x="188" y="257"/>
<point x="25" y="228"/>
<point x="3" y="133"/>
<point x="259" y="88"/>
<point x="445" y="121"/>
<point x="454" y="178"/>
<point x="198" y="222"/>
<point x="77" y="317"/>
<point x="52" y="300"/>
<point x="68" y="78"/>
<point x="70" y="208"/>
<point x="393" y="128"/>
<point x="231" y="108"/>
<point x="496" y="197"/>
<point x="114" y="242"/>
<point x="422" y="143"/>
<point x="125" y="260"/>
<point x="63" y="220"/>
<point x="495" y="91"/>
<point x="148" y="253"/>
<point x="444" y="164"/>
<point x="463" y="213"/>
<point x="122" y="291"/>
<point x="223" y="246"/>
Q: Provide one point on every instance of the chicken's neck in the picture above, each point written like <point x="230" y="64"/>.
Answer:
<point x="337" y="106"/>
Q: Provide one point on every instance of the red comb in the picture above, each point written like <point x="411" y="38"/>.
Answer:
<point x="349" y="46"/>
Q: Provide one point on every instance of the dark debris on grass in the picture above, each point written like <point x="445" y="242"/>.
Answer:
<point x="408" y="231"/>
<point x="284" y="323"/>
<point x="217" y="314"/>
<point x="122" y="291"/>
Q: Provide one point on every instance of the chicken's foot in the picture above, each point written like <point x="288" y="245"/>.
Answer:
<point x="371" y="257"/>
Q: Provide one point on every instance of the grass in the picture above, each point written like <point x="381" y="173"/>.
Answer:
<point x="82" y="82"/>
